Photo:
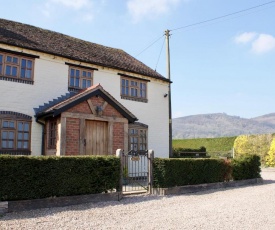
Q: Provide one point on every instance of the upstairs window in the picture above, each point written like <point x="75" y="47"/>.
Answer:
<point x="16" y="67"/>
<point x="80" y="78"/>
<point x="134" y="89"/>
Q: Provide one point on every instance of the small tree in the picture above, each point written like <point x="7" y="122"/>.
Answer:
<point x="270" y="158"/>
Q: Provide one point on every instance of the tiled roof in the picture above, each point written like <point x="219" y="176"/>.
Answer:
<point x="61" y="104"/>
<point x="54" y="102"/>
<point x="34" y="38"/>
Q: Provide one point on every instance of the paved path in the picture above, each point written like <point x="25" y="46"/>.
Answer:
<point x="250" y="207"/>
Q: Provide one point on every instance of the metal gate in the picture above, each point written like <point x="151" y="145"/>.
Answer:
<point x="136" y="171"/>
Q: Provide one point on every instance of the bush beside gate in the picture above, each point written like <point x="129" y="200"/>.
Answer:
<point x="179" y="172"/>
<point x="40" y="177"/>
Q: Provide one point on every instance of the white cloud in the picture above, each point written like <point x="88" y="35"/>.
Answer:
<point x="139" y="9"/>
<point x="83" y="9"/>
<point x="245" y="37"/>
<point x="263" y="44"/>
<point x="75" y="4"/>
<point x="260" y="43"/>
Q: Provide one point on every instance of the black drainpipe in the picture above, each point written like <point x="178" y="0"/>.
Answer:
<point x="43" y="135"/>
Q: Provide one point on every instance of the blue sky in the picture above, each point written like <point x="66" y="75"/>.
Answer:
<point x="223" y="66"/>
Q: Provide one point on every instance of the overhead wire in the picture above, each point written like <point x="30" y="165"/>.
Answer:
<point x="159" y="54"/>
<point x="204" y="22"/>
<point x="149" y="45"/>
<point x="223" y="16"/>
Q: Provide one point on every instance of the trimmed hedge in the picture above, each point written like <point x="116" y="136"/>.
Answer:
<point x="178" y="172"/>
<point x="40" y="177"/>
<point x="246" y="167"/>
<point x="189" y="153"/>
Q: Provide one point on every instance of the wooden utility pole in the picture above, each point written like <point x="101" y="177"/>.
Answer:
<point x="167" y="35"/>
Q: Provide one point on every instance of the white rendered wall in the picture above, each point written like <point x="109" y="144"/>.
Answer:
<point x="155" y="113"/>
<point x="51" y="81"/>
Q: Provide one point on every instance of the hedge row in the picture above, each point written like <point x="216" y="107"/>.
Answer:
<point x="40" y="177"/>
<point x="188" y="152"/>
<point x="246" y="167"/>
<point x="179" y="172"/>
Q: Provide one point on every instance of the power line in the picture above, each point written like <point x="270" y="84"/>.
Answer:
<point x="149" y="46"/>
<point x="223" y="16"/>
<point x="159" y="54"/>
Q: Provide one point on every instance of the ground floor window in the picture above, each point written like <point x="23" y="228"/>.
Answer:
<point x="138" y="137"/>
<point x="15" y="133"/>
<point x="52" y="134"/>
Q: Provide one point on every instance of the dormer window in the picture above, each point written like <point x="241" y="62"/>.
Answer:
<point x="133" y="89"/>
<point x="80" y="78"/>
<point x="16" y="68"/>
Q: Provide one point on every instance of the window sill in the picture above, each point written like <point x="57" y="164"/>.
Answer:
<point x="4" y="78"/>
<point x="144" y="100"/>
<point x="15" y="152"/>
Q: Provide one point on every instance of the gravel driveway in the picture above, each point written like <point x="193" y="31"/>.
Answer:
<point x="251" y="207"/>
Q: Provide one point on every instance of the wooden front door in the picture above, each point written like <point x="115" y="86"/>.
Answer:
<point x="96" y="138"/>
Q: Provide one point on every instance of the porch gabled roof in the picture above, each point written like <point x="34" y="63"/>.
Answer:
<point x="51" y="109"/>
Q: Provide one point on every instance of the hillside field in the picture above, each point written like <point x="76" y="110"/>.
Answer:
<point x="221" y="144"/>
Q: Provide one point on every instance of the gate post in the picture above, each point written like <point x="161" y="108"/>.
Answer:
<point x="150" y="170"/>
<point x="119" y="154"/>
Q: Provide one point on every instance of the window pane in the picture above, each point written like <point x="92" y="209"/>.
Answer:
<point x="26" y="136"/>
<point x="89" y="83"/>
<point x="26" y="145"/>
<point x="5" y="124"/>
<point x="23" y="63"/>
<point x="11" y="135"/>
<point x="77" y="82"/>
<point x="83" y="83"/>
<point x="72" y="73"/>
<point x="19" y="144"/>
<point x="84" y="73"/>
<point x="26" y="126"/>
<point x="89" y="74"/>
<point x="15" y="60"/>
<point x="8" y="70"/>
<point x="14" y="71"/>
<point x="11" y="124"/>
<point x="4" y="144"/>
<point x="71" y="81"/>
<point x="9" y="59"/>
<point x="20" y="126"/>
<point x="4" y="135"/>
<point x="1" y="63"/>
<point x="77" y="73"/>
<point x="20" y="136"/>
<point x="28" y="73"/>
<point x="10" y="145"/>
<point x="22" y="73"/>
<point x="29" y="64"/>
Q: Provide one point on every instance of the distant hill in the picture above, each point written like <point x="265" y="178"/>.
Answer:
<point x="221" y="125"/>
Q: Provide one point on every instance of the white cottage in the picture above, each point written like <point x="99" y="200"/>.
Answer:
<point x="65" y="96"/>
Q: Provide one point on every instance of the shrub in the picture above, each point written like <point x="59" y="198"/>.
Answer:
<point x="189" y="153"/>
<point x="39" y="177"/>
<point x="270" y="158"/>
<point x="253" y="144"/>
<point x="179" y="172"/>
<point x="246" y="167"/>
